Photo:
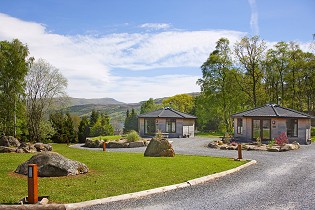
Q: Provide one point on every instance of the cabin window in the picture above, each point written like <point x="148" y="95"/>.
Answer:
<point x="170" y="126"/>
<point x="292" y="127"/>
<point x="239" y="126"/>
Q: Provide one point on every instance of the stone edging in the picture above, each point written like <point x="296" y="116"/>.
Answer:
<point x="135" y="195"/>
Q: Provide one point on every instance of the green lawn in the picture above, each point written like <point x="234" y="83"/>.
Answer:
<point x="210" y="134"/>
<point x="110" y="174"/>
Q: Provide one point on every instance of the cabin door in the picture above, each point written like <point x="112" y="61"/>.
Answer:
<point x="262" y="129"/>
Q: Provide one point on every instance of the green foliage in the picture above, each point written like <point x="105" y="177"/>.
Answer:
<point x="133" y="136"/>
<point x="94" y="117"/>
<point x="271" y="143"/>
<point x="64" y="130"/>
<point x="255" y="78"/>
<point x="13" y="69"/>
<point x="107" y="138"/>
<point x="84" y="129"/>
<point x="131" y="121"/>
<point x="102" y="126"/>
<point x="46" y="131"/>
<point x="181" y="102"/>
<point x="109" y="173"/>
<point x="158" y="134"/>
<point x="149" y="106"/>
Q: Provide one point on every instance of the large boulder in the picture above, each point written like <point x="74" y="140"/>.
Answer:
<point x="51" y="164"/>
<point x="159" y="148"/>
<point x="115" y="144"/>
<point x="9" y="141"/>
<point x="93" y="143"/>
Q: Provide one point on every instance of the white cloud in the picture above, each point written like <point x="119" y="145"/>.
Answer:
<point x="89" y="62"/>
<point x="155" y="26"/>
<point x="254" y="17"/>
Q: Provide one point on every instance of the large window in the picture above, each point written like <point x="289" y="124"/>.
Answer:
<point x="292" y="127"/>
<point x="149" y="126"/>
<point x="170" y="126"/>
<point x="239" y="125"/>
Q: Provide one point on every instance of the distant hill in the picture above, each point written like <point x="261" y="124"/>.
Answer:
<point x="99" y="101"/>
<point x="115" y="109"/>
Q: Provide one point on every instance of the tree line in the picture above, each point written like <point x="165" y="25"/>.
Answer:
<point x="245" y="76"/>
<point x="251" y="75"/>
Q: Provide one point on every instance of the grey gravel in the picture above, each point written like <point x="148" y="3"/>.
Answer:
<point x="283" y="180"/>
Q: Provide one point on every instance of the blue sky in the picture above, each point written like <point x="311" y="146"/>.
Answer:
<point x="132" y="50"/>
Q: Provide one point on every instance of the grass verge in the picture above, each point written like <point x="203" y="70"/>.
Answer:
<point x="110" y="174"/>
<point x="106" y="138"/>
<point x="210" y="134"/>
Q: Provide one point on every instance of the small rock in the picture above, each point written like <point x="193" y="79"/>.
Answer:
<point x="44" y="201"/>
<point x="7" y="149"/>
<point x="273" y="149"/>
<point x="213" y="145"/>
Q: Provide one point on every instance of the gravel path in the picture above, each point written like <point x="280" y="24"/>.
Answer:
<point x="278" y="181"/>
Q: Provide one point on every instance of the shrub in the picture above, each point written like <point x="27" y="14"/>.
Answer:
<point x="313" y="131"/>
<point x="271" y="143"/>
<point x="159" y="135"/>
<point x="132" y="136"/>
<point x="282" y="139"/>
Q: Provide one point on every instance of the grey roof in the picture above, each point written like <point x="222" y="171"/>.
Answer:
<point x="272" y="110"/>
<point x="167" y="112"/>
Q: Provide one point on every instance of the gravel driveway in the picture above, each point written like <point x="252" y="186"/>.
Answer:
<point x="278" y="181"/>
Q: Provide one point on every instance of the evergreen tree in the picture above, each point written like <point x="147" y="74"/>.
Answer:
<point x="84" y="129"/>
<point x="131" y="121"/>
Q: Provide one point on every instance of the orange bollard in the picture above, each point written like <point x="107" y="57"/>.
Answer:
<point x="239" y="150"/>
<point x="104" y="146"/>
<point x="32" y="183"/>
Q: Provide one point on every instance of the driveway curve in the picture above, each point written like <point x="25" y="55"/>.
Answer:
<point x="283" y="180"/>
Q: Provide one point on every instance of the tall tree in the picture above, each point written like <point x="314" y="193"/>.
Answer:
<point x="131" y="121"/>
<point x="250" y="52"/>
<point x="84" y="129"/>
<point x="13" y="69"/>
<point x="180" y="102"/>
<point x="94" y="117"/>
<point x="44" y="83"/>
<point x="64" y="130"/>
<point x="276" y="68"/>
<point x="149" y="106"/>
<point x="218" y="99"/>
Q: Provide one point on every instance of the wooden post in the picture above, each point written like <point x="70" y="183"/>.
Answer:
<point x="32" y="183"/>
<point x="239" y="150"/>
<point x="104" y="146"/>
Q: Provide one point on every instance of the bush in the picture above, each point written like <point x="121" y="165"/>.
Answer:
<point x="313" y="132"/>
<point x="132" y="136"/>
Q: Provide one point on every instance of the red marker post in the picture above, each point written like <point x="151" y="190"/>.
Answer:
<point x="32" y="183"/>
<point x="239" y="149"/>
<point x="104" y="146"/>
